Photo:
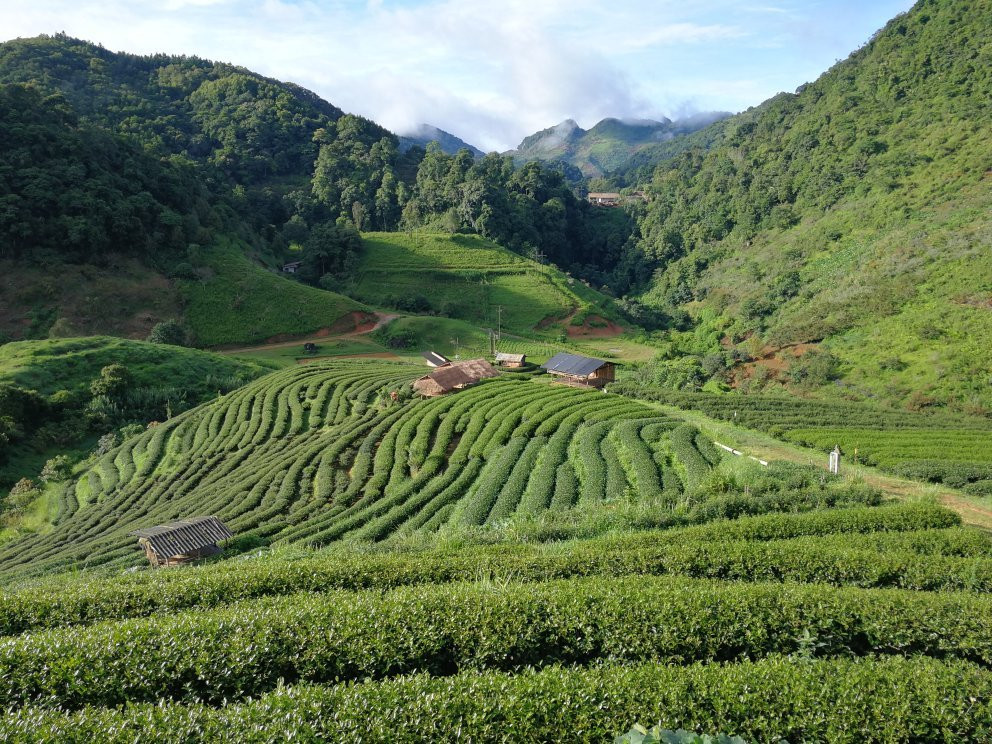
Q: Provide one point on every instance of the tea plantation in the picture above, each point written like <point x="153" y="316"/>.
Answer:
<point x="515" y="557"/>
<point x="940" y="447"/>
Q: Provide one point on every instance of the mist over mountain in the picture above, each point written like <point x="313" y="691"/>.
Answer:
<point x="426" y="133"/>
<point x="608" y="145"/>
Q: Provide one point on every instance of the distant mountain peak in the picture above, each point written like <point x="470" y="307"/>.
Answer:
<point x="423" y="134"/>
<point x="607" y="145"/>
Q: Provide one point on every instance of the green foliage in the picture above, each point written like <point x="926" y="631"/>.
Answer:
<point x="925" y="550"/>
<point x="207" y="656"/>
<point x="324" y="452"/>
<point x="768" y="700"/>
<point x="846" y="212"/>
<point x="57" y="469"/>
<point x="468" y="279"/>
<point x="115" y="381"/>
<point x="240" y="302"/>
<point x="890" y="448"/>
<point x="71" y="189"/>
<point x="935" y="447"/>
<point x="658" y="735"/>
<point x="168" y="332"/>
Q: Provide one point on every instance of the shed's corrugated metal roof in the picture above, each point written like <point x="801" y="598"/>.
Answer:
<point x="436" y="359"/>
<point x="184" y="535"/>
<point x="573" y="364"/>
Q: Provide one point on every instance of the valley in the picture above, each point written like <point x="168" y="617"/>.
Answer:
<point x="729" y="474"/>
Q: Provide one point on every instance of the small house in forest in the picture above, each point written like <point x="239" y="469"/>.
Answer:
<point x="435" y="360"/>
<point x="579" y="370"/>
<point x="510" y="360"/>
<point x="604" y="198"/>
<point x="292" y="267"/>
<point x="182" y="541"/>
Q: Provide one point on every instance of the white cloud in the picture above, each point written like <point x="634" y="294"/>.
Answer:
<point x="490" y="72"/>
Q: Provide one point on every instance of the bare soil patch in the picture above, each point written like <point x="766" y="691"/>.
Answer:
<point x="595" y="326"/>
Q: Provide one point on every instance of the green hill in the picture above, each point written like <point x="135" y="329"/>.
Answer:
<point x="852" y="216"/>
<point x="467" y="277"/>
<point x="48" y="407"/>
<point x="594" y="542"/>
<point x="236" y="301"/>
<point x="320" y="453"/>
<point x="610" y="145"/>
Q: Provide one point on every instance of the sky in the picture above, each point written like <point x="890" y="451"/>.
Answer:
<point x="490" y="72"/>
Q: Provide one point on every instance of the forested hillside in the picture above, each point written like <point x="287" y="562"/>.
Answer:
<point x="165" y="157"/>
<point x="852" y="213"/>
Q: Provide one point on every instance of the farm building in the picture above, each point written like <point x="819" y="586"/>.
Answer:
<point x="477" y="369"/>
<point x="442" y="380"/>
<point x="580" y="370"/>
<point x="435" y="360"/>
<point x="292" y="267"/>
<point x="510" y="360"/>
<point x="604" y="198"/>
<point x="182" y="541"/>
<point x="454" y="376"/>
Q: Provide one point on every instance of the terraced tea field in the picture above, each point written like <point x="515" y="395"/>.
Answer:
<point x="943" y="447"/>
<point x="415" y="570"/>
<point x="320" y="453"/>
<point x="878" y="614"/>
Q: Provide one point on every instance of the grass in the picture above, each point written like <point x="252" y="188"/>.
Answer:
<point x="289" y="354"/>
<point x="72" y="364"/>
<point x="49" y="299"/>
<point x="976" y="511"/>
<point x="240" y="302"/>
<point x="467" y="278"/>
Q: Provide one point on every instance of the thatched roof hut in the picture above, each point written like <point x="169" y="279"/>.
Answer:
<point x="442" y="380"/>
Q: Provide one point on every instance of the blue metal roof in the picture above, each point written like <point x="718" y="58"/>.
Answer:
<point x="573" y="364"/>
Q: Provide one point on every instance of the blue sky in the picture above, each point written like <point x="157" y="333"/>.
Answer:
<point x="489" y="71"/>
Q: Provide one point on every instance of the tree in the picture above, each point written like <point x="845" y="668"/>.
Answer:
<point x="168" y="332"/>
<point x="58" y="468"/>
<point x="332" y="248"/>
<point x="114" y="381"/>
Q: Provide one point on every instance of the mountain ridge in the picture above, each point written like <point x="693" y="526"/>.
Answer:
<point x="606" y="146"/>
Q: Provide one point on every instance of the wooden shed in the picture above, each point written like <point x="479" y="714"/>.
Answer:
<point x="580" y="370"/>
<point x="442" y="380"/>
<point x="182" y="541"/>
<point x="435" y="360"/>
<point x="510" y="360"/>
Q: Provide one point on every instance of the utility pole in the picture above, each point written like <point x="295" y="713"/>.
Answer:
<point x="499" y="321"/>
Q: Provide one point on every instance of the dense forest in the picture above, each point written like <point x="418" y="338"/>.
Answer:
<point x="853" y="212"/>
<point x="219" y="147"/>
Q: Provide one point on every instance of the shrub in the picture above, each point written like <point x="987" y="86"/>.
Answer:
<point x="777" y="699"/>
<point x="114" y="381"/>
<point x="168" y="332"/>
<point x="979" y="488"/>
<point x="58" y="468"/>
<point x="657" y="735"/>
